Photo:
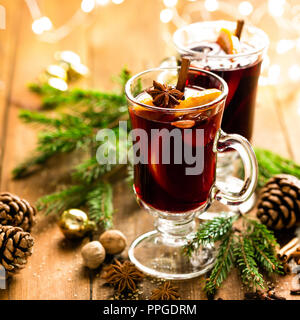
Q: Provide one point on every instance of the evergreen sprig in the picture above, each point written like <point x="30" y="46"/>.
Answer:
<point x="224" y="263"/>
<point x="74" y="128"/>
<point x="250" y="250"/>
<point x="99" y="200"/>
<point x="210" y="232"/>
<point x="270" y="164"/>
<point x="245" y="262"/>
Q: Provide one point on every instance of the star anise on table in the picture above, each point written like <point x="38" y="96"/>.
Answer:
<point x="165" y="292"/>
<point x="123" y="276"/>
<point x="164" y="95"/>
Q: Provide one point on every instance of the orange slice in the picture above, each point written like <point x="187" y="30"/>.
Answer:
<point x="199" y="99"/>
<point x="228" y="42"/>
<point x="144" y="112"/>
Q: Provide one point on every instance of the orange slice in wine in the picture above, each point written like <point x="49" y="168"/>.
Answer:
<point x="198" y="99"/>
<point x="228" y="42"/>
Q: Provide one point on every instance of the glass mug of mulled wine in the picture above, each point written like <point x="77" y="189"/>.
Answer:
<point x="212" y="46"/>
<point x="175" y="156"/>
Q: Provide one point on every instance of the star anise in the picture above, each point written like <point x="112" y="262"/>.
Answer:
<point x="165" y="292"/>
<point x="164" y="95"/>
<point x="123" y="275"/>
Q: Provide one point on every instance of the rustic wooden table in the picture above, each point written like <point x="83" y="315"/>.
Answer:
<point x="55" y="270"/>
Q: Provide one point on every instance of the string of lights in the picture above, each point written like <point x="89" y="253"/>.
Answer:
<point x="284" y="13"/>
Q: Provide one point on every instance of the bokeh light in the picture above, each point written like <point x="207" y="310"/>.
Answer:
<point x="87" y="5"/>
<point x="166" y="15"/>
<point x="42" y="24"/>
<point x="211" y="5"/>
<point x="245" y="8"/>
<point x="170" y="3"/>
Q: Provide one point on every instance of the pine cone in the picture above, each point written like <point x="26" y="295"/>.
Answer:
<point x="16" y="212"/>
<point x="279" y="204"/>
<point x="15" y="247"/>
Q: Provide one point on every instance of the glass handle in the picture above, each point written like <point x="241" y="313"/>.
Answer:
<point x="224" y="142"/>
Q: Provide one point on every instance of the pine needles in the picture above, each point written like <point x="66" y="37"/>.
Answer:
<point x="270" y="164"/>
<point x="78" y="115"/>
<point x="249" y="250"/>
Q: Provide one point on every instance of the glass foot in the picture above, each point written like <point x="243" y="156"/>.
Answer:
<point x="162" y="257"/>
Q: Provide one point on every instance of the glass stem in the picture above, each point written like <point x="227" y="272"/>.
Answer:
<point x="175" y="232"/>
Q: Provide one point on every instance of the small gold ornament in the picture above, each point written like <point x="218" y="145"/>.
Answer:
<point x="74" y="224"/>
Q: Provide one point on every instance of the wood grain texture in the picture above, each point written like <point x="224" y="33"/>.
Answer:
<point x="106" y="44"/>
<point x="55" y="270"/>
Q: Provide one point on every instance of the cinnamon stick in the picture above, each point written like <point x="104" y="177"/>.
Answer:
<point x="239" y="28"/>
<point x="288" y="254"/>
<point x="296" y="255"/>
<point x="294" y="243"/>
<point x="183" y="74"/>
<point x="295" y="292"/>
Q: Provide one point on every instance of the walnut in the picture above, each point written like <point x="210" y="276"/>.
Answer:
<point x="93" y="254"/>
<point x="113" y="241"/>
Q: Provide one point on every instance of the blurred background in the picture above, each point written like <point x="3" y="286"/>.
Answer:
<point x="110" y="34"/>
<point x="138" y="33"/>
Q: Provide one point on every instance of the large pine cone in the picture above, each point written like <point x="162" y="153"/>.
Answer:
<point x="16" y="212"/>
<point x="279" y="203"/>
<point x="15" y="247"/>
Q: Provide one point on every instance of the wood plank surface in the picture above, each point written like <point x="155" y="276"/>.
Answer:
<point x="55" y="270"/>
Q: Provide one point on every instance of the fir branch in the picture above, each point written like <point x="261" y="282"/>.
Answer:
<point x="89" y="171"/>
<point x="224" y="263"/>
<point x="270" y="164"/>
<point x="99" y="202"/>
<point x="261" y="232"/>
<point x="210" y="232"/>
<point x="71" y="134"/>
<point x="71" y="197"/>
<point x="30" y="165"/>
<point x="39" y="118"/>
<point x="63" y="141"/>
<point x="53" y="98"/>
<point x="265" y="257"/>
<point x="122" y="78"/>
<point x="264" y="243"/>
<point x="244" y="260"/>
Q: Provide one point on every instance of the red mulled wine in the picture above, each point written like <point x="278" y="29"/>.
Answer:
<point x="168" y="187"/>
<point x="242" y="82"/>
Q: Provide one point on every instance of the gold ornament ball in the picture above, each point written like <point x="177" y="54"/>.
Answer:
<point x="93" y="254"/>
<point x="113" y="241"/>
<point x="74" y="224"/>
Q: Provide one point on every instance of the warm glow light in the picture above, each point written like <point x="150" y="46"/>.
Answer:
<point x="87" y="5"/>
<point x="298" y="109"/>
<point x="284" y="46"/>
<point x="294" y="72"/>
<point x="274" y="73"/>
<point x="263" y="81"/>
<point x="276" y="7"/>
<point x="102" y="2"/>
<point x="57" y="83"/>
<point x="42" y="24"/>
<point x="265" y="63"/>
<point x="69" y="57"/>
<point x="211" y="5"/>
<point x="117" y="1"/>
<point x="57" y="71"/>
<point x="170" y="3"/>
<point x="166" y="15"/>
<point x="81" y="69"/>
<point x="245" y="8"/>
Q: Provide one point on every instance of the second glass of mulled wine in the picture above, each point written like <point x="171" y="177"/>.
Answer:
<point x="175" y="156"/>
<point x="212" y="45"/>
